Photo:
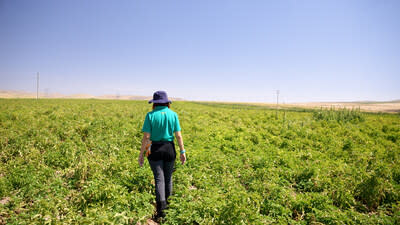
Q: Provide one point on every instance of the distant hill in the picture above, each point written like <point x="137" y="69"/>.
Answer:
<point x="23" y="94"/>
<point x="366" y="106"/>
<point x="369" y="106"/>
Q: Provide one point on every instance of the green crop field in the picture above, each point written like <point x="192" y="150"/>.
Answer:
<point x="75" y="162"/>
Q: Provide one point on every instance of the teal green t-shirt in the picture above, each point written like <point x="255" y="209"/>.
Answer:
<point x="161" y="123"/>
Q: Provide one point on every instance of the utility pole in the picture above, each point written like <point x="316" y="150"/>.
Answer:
<point x="277" y="103"/>
<point x="277" y="99"/>
<point x="37" y="86"/>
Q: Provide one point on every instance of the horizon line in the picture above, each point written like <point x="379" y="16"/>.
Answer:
<point x="59" y="95"/>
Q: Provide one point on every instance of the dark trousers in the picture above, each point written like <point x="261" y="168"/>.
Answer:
<point x="162" y="171"/>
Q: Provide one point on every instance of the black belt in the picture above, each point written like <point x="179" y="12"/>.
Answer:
<point x="161" y="142"/>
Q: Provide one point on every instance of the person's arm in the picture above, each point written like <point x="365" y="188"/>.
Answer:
<point x="145" y="142"/>
<point x="181" y="146"/>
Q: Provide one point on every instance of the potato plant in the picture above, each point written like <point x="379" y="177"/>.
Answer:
<point x="75" y="162"/>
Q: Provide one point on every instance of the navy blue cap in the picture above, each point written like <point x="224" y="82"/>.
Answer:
<point x="160" y="97"/>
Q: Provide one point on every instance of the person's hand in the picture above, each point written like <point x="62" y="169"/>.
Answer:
<point x="183" y="158"/>
<point x="141" y="160"/>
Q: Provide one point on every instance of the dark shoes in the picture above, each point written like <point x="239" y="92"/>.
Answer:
<point x="161" y="206"/>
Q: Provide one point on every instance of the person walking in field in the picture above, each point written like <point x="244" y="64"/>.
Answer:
<point x="159" y="128"/>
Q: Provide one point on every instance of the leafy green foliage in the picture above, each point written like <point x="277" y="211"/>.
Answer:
<point x="75" y="162"/>
<point x="340" y="115"/>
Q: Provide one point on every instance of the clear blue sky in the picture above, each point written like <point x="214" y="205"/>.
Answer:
<point x="338" y="50"/>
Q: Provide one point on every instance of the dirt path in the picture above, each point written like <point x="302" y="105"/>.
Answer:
<point x="151" y="222"/>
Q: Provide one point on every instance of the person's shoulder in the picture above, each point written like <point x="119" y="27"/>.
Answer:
<point x="172" y="111"/>
<point x="149" y="113"/>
